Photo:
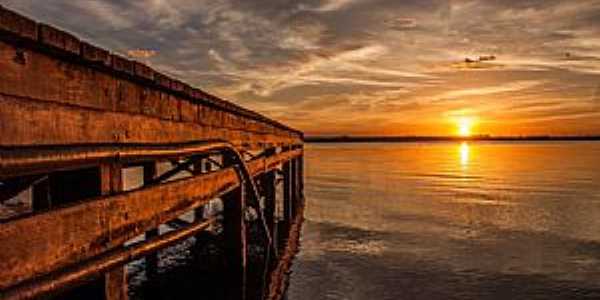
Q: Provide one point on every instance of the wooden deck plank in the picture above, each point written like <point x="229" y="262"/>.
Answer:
<point x="28" y="122"/>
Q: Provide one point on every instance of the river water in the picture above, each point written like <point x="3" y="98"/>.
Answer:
<point x="450" y="221"/>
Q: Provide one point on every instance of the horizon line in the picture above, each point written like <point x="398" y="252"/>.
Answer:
<point x="416" y="138"/>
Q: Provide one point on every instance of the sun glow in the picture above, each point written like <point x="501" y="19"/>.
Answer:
<point x="465" y="126"/>
<point x="464" y="154"/>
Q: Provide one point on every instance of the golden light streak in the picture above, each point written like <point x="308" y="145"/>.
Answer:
<point x="464" y="153"/>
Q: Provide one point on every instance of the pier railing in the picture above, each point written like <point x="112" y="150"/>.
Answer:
<point x="74" y="116"/>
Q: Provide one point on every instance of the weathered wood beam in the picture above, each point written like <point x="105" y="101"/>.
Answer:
<point x="28" y="248"/>
<point x="45" y="287"/>
<point x="27" y="122"/>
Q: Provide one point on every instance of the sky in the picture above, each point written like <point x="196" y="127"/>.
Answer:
<point x="366" y="67"/>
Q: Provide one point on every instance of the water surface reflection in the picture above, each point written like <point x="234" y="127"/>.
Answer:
<point x="446" y="220"/>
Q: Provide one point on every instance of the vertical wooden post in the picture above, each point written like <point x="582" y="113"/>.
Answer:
<point x="65" y="187"/>
<point x="150" y="172"/>
<point x="199" y="167"/>
<point x="207" y="165"/>
<point x="268" y="186"/>
<point x="115" y="286"/>
<point x="301" y="175"/>
<point x="294" y="185"/>
<point x="287" y="192"/>
<point x="234" y="231"/>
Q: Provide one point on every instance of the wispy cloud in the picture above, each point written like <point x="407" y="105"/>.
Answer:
<point x="489" y="90"/>
<point x="333" y="5"/>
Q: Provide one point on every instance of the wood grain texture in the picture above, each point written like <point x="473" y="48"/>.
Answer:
<point x="27" y="122"/>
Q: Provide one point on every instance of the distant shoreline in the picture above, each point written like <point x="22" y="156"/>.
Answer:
<point x="412" y="139"/>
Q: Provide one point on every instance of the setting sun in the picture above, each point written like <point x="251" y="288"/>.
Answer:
<point x="465" y="126"/>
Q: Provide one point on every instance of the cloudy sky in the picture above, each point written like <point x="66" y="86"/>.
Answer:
<point x="414" y="67"/>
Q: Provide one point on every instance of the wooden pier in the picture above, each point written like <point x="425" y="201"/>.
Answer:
<point x="74" y="118"/>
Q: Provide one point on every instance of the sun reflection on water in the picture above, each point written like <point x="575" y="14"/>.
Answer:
<point x="464" y="154"/>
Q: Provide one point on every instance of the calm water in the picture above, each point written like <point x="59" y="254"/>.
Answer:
<point x="450" y="221"/>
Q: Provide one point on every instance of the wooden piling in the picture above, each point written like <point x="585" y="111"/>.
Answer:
<point x="200" y="167"/>
<point x="294" y="186"/>
<point x="287" y="192"/>
<point x="301" y="174"/>
<point x="115" y="287"/>
<point x="150" y="172"/>
<point x="234" y="236"/>
<point x="269" y="186"/>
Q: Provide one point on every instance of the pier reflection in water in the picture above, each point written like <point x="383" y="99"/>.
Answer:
<point x="451" y="221"/>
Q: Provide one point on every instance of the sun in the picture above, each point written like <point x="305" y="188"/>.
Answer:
<point x="465" y="126"/>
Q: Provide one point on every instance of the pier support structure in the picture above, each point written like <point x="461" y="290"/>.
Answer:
<point x="149" y="174"/>
<point x="234" y="236"/>
<point x="116" y="279"/>
<point x="73" y="116"/>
